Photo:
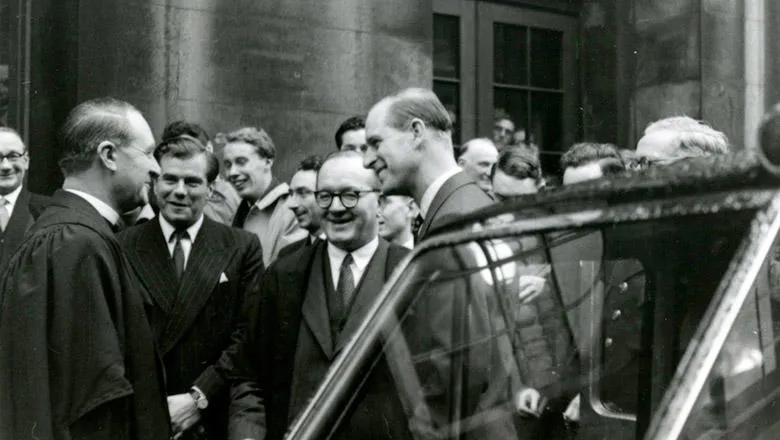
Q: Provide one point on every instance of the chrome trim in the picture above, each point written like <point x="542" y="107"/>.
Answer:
<point x="314" y="417"/>
<point x="707" y="342"/>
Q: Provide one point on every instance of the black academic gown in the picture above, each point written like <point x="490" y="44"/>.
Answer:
<point x="77" y="353"/>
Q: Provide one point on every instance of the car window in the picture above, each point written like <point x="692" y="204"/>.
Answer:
<point x="742" y="392"/>
<point x="592" y="321"/>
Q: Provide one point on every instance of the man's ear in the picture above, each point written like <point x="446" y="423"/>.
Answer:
<point x="417" y="127"/>
<point x="107" y="152"/>
<point x="414" y="210"/>
<point x="211" y="189"/>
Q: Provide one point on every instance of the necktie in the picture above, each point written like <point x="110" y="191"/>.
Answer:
<point x="178" y="250"/>
<point x="4" y="216"/>
<point x="343" y="295"/>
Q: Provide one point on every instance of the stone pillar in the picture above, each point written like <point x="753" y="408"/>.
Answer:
<point x="296" y="68"/>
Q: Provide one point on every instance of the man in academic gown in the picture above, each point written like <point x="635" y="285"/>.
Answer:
<point x="313" y="300"/>
<point x="200" y="275"/>
<point x="18" y="207"/>
<point x="77" y="355"/>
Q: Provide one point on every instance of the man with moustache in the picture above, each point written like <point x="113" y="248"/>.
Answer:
<point x="248" y="158"/>
<point x="301" y="202"/>
<point x="18" y="207"/>
<point x="396" y="217"/>
<point x="200" y="275"/>
<point x="78" y="355"/>
<point x="477" y="158"/>
<point x="312" y="303"/>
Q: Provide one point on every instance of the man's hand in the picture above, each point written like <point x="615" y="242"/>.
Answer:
<point x="527" y="401"/>
<point x="572" y="413"/>
<point x="184" y="412"/>
<point x="530" y="286"/>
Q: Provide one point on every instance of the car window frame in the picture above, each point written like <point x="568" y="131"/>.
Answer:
<point x="314" y="419"/>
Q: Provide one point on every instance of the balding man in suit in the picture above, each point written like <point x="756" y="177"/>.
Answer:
<point x="18" y="207"/>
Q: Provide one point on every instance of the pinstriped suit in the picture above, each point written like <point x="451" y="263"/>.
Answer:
<point x="196" y="322"/>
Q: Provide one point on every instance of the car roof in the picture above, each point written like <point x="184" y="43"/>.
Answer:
<point x="688" y="177"/>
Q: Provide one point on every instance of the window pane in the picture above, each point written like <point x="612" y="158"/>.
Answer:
<point x="449" y="94"/>
<point x="510" y="57"/>
<point x="602" y="315"/>
<point x="546" y="128"/>
<point x="546" y="55"/>
<point x="513" y="103"/>
<point x="446" y="46"/>
<point x="742" y="394"/>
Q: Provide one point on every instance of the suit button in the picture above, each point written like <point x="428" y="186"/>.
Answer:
<point x="608" y="342"/>
<point x="623" y="287"/>
<point x="616" y="314"/>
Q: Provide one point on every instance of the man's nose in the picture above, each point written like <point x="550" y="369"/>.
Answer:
<point x="336" y="205"/>
<point x="231" y="170"/>
<point x="5" y="163"/>
<point x="369" y="157"/>
<point x="180" y="189"/>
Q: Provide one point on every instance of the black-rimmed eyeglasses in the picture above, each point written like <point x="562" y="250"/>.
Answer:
<point x="12" y="157"/>
<point x="347" y="198"/>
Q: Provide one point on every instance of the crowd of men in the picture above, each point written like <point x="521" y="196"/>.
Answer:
<point x="163" y="292"/>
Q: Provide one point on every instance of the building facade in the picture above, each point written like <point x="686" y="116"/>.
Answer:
<point x="563" y="70"/>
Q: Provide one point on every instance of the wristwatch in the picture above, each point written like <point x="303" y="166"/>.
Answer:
<point x="200" y="399"/>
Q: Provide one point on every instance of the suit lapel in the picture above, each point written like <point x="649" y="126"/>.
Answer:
<point x="207" y="262"/>
<point x="370" y="284"/>
<point x="449" y="187"/>
<point x="154" y="265"/>
<point x="315" y="302"/>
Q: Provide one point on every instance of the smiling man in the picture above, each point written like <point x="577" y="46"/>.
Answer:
<point x="313" y="301"/>
<point x="410" y="150"/>
<point x="18" y="207"/>
<point x="477" y="158"/>
<point x="78" y="355"/>
<point x="301" y="202"/>
<point x="199" y="274"/>
<point x="248" y="159"/>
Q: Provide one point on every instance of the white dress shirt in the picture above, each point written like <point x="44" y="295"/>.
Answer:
<point x="409" y="244"/>
<point x="11" y="200"/>
<point x="102" y="207"/>
<point x="360" y="259"/>
<point x="186" y="244"/>
<point x="433" y="189"/>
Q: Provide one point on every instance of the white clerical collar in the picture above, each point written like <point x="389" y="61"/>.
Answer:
<point x="102" y="207"/>
<point x="168" y="229"/>
<point x="433" y="189"/>
<point x="361" y="256"/>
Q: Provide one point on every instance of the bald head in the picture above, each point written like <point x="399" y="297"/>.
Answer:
<point x="477" y="158"/>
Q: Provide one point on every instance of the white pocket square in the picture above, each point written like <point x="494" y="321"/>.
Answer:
<point x="223" y="278"/>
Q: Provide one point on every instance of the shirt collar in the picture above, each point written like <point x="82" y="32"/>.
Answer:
<point x="409" y="244"/>
<point x="271" y="196"/>
<point x="102" y="207"/>
<point x="146" y="213"/>
<point x="168" y="229"/>
<point x="13" y="196"/>
<point x="433" y="188"/>
<point x="361" y="255"/>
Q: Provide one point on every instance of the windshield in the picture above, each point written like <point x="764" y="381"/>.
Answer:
<point x="564" y="334"/>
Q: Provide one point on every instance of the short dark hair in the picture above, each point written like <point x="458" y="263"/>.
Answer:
<point x="584" y="153"/>
<point x="178" y="128"/>
<point x="89" y="124"/>
<point x="310" y="163"/>
<point x="418" y="103"/>
<point x="353" y="123"/>
<point x="185" y="147"/>
<point x="257" y="137"/>
<point x="518" y="163"/>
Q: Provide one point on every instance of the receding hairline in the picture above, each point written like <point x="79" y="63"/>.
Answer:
<point x="348" y="156"/>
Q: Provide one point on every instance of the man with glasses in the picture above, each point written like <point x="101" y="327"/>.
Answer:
<point x="301" y="202"/>
<point x="18" y="207"/>
<point x="77" y="355"/>
<point x="313" y="300"/>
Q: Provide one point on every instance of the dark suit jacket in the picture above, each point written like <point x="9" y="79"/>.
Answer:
<point x="290" y="349"/>
<point x="27" y="209"/>
<point x="197" y="324"/>
<point x="78" y="356"/>
<point x="458" y="196"/>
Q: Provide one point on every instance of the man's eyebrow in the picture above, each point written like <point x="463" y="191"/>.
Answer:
<point x="373" y="140"/>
